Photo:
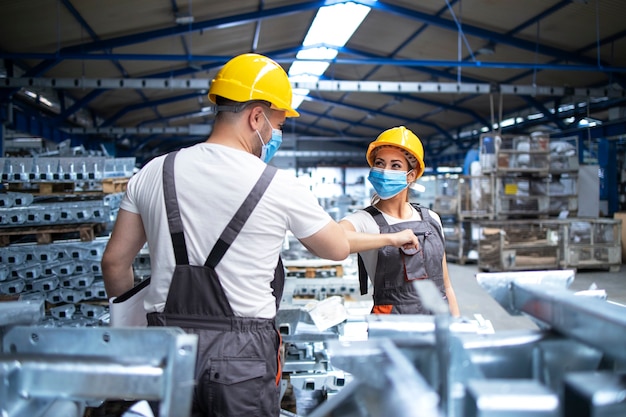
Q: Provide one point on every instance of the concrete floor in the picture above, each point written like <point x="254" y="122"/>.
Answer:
<point x="473" y="299"/>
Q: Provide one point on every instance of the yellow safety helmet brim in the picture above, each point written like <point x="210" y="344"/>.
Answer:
<point x="402" y="138"/>
<point x="250" y="77"/>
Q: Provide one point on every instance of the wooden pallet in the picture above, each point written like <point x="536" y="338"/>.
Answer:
<point x="43" y="187"/>
<point x="114" y="185"/>
<point x="325" y="271"/>
<point x="49" y="234"/>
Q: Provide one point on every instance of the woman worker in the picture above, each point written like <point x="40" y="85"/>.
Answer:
<point x="396" y="159"/>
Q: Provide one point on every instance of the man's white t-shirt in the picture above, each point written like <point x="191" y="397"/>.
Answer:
<point x="364" y="222"/>
<point x="212" y="181"/>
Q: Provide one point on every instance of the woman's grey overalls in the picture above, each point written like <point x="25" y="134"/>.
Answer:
<point x="238" y="368"/>
<point x="395" y="270"/>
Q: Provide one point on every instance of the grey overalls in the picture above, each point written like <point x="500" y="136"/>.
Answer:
<point x="393" y="290"/>
<point x="238" y="368"/>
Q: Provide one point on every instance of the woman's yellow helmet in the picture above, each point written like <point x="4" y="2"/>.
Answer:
<point x="402" y="138"/>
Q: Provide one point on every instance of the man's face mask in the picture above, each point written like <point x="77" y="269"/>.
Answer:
<point x="388" y="183"/>
<point x="269" y="149"/>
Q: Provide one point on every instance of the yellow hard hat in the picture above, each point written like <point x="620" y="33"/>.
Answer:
<point x="402" y="138"/>
<point x="249" y="77"/>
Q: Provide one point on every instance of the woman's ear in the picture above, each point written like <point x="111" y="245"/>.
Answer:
<point x="411" y="176"/>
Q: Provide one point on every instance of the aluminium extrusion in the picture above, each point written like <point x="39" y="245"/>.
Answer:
<point x="44" y="368"/>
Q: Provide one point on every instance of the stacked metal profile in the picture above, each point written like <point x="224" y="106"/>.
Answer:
<point x="50" y="250"/>
<point x="21" y="209"/>
<point x="64" y="275"/>
<point x="415" y="366"/>
<point x="62" y="371"/>
<point x="419" y="366"/>
<point x="59" y="169"/>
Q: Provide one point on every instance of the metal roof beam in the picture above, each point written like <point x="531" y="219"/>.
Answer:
<point x="392" y="87"/>
<point x="218" y="60"/>
<point x="109" y="44"/>
<point x="146" y="104"/>
<point x="111" y="130"/>
<point x="477" y="31"/>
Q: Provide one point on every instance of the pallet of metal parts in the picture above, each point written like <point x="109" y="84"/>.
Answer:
<point x="570" y="365"/>
<point x="52" y="371"/>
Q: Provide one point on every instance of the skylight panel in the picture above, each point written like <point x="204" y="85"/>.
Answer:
<point x="332" y="28"/>
<point x="334" y="25"/>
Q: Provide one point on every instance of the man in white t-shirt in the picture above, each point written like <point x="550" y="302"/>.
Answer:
<point x="221" y="278"/>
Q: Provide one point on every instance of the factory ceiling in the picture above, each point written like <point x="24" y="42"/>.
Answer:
<point x="134" y="74"/>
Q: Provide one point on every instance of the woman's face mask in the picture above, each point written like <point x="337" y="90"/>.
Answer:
<point x="269" y="149"/>
<point x="388" y="183"/>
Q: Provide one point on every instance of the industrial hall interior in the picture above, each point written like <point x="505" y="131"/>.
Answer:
<point x="321" y="208"/>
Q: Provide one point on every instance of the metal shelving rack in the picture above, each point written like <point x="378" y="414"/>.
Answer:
<point x="460" y="247"/>
<point x="591" y="243"/>
<point x="514" y="245"/>
<point x="577" y="243"/>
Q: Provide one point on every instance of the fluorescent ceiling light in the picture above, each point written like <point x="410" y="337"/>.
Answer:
<point x="508" y="122"/>
<point x="331" y="29"/>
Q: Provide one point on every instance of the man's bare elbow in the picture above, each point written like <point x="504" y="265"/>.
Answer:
<point x="340" y="252"/>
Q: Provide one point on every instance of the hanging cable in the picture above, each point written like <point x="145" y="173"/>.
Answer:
<point x="458" y="25"/>
<point x="598" y="33"/>
<point x="536" y="55"/>
<point x="493" y="122"/>
<point x="459" y="47"/>
<point x="58" y="26"/>
<point x="500" y="110"/>
<point x="588" y="124"/>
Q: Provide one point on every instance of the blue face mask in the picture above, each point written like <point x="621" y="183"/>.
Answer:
<point x="269" y="149"/>
<point x="388" y="183"/>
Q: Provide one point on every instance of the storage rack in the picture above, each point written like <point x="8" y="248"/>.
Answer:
<point x="521" y="177"/>
<point x="522" y="205"/>
<point x="591" y="243"/>
<point x="518" y="245"/>
<point x="459" y="245"/>
<point x="55" y="215"/>
<point x="577" y="243"/>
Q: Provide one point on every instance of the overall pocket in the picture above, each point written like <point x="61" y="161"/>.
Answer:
<point x="235" y="386"/>
<point x="415" y="264"/>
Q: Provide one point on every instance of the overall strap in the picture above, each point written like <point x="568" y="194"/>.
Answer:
<point x="362" y="274"/>
<point x="428" y="218"/>
<point x="173" y="211"/>
<point x="380" y="221"/>
<point x="236" y="223"/>
<point x="377" y="215"/>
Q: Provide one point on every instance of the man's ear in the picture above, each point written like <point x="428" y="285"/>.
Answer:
<point x="255" y="118"/>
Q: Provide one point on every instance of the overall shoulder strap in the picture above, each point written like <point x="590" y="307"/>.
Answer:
<point x="362" y="275"/>
<point x="425" y="213"/>
<point x="377" y="215"/>
<point x="380" y="221"/>
<point x="239" y="219"/>
<point x="173" y="211"/>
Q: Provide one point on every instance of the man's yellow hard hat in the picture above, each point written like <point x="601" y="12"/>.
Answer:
<point x="249" y="77"/>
